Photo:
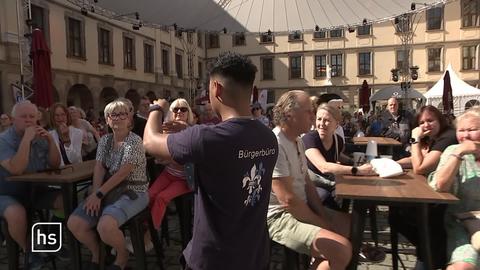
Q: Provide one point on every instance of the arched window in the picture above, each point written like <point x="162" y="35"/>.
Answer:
<point x="471" y="103"/>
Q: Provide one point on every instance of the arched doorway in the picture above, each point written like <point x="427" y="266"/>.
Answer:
<point x="134" y="97"/>
<point x="80" y="96"/>
<point x="107" y="95"/>
<point x="56" y="96"/>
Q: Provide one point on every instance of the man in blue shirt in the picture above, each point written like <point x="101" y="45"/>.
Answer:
<point x="234" y="162"/>
<point x="24" y="148"/>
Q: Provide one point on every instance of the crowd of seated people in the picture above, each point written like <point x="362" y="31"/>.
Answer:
<point x="307" y="150"/>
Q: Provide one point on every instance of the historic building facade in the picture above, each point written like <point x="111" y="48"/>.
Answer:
<point x="95" y="59"/>
<point x="339" y="60"/>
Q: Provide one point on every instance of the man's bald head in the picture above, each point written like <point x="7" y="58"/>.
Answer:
<point x="392" y="105"/>
<point x="24" y="114"/>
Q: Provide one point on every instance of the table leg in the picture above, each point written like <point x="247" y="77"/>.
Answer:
<point x="356" y="231"/>
<point x="69" y="203"/>
<point x="422" y="219"/>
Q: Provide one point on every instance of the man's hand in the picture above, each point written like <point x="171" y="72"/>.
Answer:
<point x="174" y="126"/>
<point x="163" y="103"/>
<point x="42" y="133"/>
<point x="30" y="133"/>
<point x="92" y="205"/>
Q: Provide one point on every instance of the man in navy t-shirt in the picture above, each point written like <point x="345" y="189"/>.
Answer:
<point x="234" y="162"/>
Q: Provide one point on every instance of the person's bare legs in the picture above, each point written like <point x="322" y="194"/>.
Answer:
<point x="84" y="233"/>
<point x="335" y="248"/>
<point x="111" y="235"/>
<point x="340" y="222"/>
<point x="16" y="218"/>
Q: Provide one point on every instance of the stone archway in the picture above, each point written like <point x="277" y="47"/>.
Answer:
<point x="56" y="95"/>
<point x="107" y="95"/>
<point x="80" y="96"/>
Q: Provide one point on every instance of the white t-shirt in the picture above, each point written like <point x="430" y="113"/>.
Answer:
<point x="74" y="150"/>
<point x="292" y="162"/>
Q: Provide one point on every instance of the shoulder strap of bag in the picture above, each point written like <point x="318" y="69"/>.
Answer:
<point x="336" y="147"/>
<point x="62" y="151"/>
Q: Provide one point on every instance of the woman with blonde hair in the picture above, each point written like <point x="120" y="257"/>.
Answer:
<point x="324" y="151"/>
<point x="458" y="172"/>
<point x="171" y="182"/>
<point x="119" y="188"/>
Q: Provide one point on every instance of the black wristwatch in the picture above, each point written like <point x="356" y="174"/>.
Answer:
<point x="354" y="170"/>
<point x="413" y="141"/>
<point x="99" y="194"/>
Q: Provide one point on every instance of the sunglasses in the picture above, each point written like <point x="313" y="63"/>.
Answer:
<point x="180" y="109"/>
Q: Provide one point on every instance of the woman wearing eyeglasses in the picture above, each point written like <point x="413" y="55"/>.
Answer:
<point x="119" y="188"/>
<point x="171" y="182"/>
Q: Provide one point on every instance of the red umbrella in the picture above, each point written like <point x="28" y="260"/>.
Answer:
<point x="42" y="70"/>
<point x="364" y="97"/>
<point x="447" y="98"/>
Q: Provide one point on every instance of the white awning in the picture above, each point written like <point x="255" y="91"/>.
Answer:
<point x="257" y="15"/>
<point x="462" y="92"/>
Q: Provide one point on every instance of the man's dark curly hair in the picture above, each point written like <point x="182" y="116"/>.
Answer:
<point x="235" y="67"/>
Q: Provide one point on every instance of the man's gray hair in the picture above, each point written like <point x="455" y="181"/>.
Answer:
<point x="22" y="103"/>
<point x="285" y="104"/>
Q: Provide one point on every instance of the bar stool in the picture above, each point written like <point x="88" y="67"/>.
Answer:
<point x="135" y="227"/>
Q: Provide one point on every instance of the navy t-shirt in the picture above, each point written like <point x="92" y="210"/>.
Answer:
<point x="312" y="140"/>
<point x="234" y="161"/>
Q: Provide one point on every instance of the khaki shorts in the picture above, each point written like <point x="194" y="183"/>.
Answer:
<point x="288" y="231"/>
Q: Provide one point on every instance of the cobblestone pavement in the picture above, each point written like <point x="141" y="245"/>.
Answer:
<point x="172" y="252"/>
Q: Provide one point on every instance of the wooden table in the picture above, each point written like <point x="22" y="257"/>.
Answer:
<point x="67" y="178"/>
<point x="404" y="190"/>
<point x="389" y="143"/>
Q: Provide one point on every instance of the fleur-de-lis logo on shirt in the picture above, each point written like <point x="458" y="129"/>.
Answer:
<point x="251" y="182"/>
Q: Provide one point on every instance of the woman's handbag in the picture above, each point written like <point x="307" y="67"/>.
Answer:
<point x="471" y="222"/>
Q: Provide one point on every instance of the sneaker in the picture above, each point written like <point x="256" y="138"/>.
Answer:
<point x="35" y="261"/>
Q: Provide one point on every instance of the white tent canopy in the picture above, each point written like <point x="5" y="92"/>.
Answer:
<point x="255" y="16"/>
<point x="463" y="93"/>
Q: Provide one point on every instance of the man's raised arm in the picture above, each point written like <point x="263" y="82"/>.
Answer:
<point x="154" y="141"/>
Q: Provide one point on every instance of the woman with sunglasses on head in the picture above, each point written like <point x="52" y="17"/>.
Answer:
<point x="69" y="139"/>
<point x="119" y="188"/>
<point x="171" y="182"/>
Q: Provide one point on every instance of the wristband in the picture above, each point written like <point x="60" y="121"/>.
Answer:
<point x="155" y="107"/>
<point x="457" y="156"/>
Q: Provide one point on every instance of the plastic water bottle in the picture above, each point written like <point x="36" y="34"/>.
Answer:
<point x="371" y="152"/>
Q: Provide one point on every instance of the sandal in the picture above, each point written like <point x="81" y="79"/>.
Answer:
<point x="371" y="254"/>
